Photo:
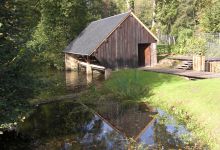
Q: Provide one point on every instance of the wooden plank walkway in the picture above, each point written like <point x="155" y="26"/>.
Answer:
<point x="189" y="58"/>
<point x="185" y="73"/>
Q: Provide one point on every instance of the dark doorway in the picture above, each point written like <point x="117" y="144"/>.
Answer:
<point x="144" y="54"/>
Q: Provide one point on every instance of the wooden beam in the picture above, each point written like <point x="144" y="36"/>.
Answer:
<point x="92" y="65"/>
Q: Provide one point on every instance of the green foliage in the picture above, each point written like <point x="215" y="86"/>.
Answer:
<point x="197" y="45"/>
<point x="144" y="10"/>
<point x="189" y="45"/>
<point x="33" y="35"/>
<point x="16" y="26"/>
<point x="175" y="16"/>
<point x="182" y="47"/>
<point x="167" y="12"/>
<point x="210" y="19"/>
<point x="164" y="49"/>
<point x="61" y="21"/>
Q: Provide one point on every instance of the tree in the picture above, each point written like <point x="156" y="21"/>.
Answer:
<point x="16" y="25"/>
<point x="34" y="33"/>
<point x="210" y="18"/>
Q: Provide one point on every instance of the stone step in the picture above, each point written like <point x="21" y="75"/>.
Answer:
<point x="186" y="65"/>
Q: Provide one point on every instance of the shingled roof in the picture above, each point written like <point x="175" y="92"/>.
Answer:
<point x="94" y="34"/>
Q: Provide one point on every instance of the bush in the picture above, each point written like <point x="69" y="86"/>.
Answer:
<point x="164" y="49"/>
<point x="182" y="39"/>
<point x="196" y="45"/>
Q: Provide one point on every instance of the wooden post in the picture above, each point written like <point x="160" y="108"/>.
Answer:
<point x="89" y="73"/>
<point x="107" y="73"/>
<point x="207" y="66"/>
<point x="215" y="67"/>
<point x="202" y="63"/>
<point x="211" y="67"/>
<point x="194" y="62"/>
<point x="89" y="78"/>
<point x="88" y="69"/>
<point x="198" y="63"/>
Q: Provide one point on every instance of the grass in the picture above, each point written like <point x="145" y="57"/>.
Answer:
<point x="197" y="103"/>
<point x="198" y="100"/>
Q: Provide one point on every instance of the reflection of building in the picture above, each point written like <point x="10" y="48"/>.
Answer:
<point x="102" y="125"/>
<point x="75" y="80"/>
<point x="129" y="120"/>
<point x="71" y="78"/>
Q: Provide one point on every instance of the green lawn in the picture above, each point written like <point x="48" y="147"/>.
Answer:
<point x="195" y="102"/>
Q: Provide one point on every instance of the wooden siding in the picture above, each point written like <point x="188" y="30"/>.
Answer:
<point x="121" y="48"/>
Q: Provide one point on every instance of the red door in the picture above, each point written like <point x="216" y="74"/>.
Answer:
<point x="144" y="54"/>
<point x="147" y="52"/>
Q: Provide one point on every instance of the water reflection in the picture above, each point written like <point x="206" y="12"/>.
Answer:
<point x="130" y="120"/>
<point x="70" y="125"/>
<point x="77" y="81"/>
<point x="101" y="125"/>
<point x="147" y="127"/>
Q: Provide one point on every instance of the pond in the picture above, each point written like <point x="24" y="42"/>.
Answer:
<point x="103" y="124"/>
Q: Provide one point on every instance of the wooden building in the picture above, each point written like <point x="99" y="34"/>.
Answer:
<point x="115" y="42"/>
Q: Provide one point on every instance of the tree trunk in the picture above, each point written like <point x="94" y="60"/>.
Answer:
<point x="154" y="13"/>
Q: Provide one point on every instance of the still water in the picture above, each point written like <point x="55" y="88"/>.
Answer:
<point x="99" y="125"/>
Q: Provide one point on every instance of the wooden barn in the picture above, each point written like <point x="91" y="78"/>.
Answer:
<point x="115" y="42"/>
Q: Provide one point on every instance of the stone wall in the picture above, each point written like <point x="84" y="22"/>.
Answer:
<point x="71" y="62"/>
<point x="153" y="54"/>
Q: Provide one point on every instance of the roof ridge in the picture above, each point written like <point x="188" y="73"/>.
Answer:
<point x="111" y="16"/>
<point x="146" y="28"/>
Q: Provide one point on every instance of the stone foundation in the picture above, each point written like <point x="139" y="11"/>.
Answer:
<point x="153" y="47"/>
<point x="71" y="63"/>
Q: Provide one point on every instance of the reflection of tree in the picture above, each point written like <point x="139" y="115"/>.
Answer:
<point x="54" y="125"/>
<point x="100" y="138"/>
<point x="164" y="138"/>
<point x="55" y="120"/>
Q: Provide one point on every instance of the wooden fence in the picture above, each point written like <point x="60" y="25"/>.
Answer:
<point x="214" y="67"/>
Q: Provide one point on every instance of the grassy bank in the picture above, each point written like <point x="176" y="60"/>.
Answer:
<point x="194" y="102"/>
